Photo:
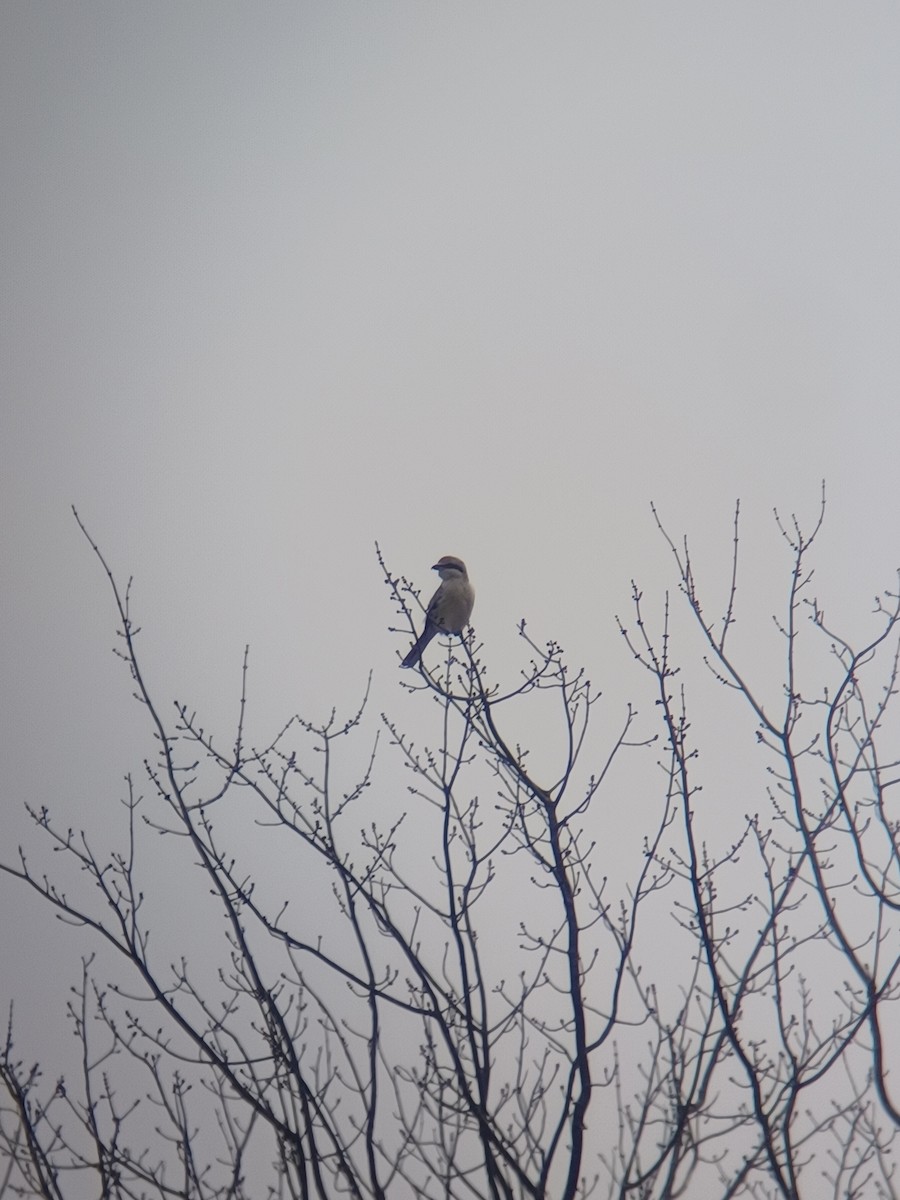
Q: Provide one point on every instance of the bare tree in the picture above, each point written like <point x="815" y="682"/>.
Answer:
<point x="490" y="997"/>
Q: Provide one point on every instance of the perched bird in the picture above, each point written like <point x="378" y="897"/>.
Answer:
<point x="448" y="609"/>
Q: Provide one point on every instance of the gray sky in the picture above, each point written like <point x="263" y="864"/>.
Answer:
<point x="283" y="279"/>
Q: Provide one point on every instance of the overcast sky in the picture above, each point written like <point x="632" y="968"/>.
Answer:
<point x="281" y="279"/>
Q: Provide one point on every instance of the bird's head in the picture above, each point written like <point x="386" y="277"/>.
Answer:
<point x="450" y="567"/>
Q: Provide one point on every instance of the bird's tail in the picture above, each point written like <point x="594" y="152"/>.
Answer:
<point x="415" y="654"/>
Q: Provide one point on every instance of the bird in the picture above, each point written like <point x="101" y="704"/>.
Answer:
<point x="448" y="609"/>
